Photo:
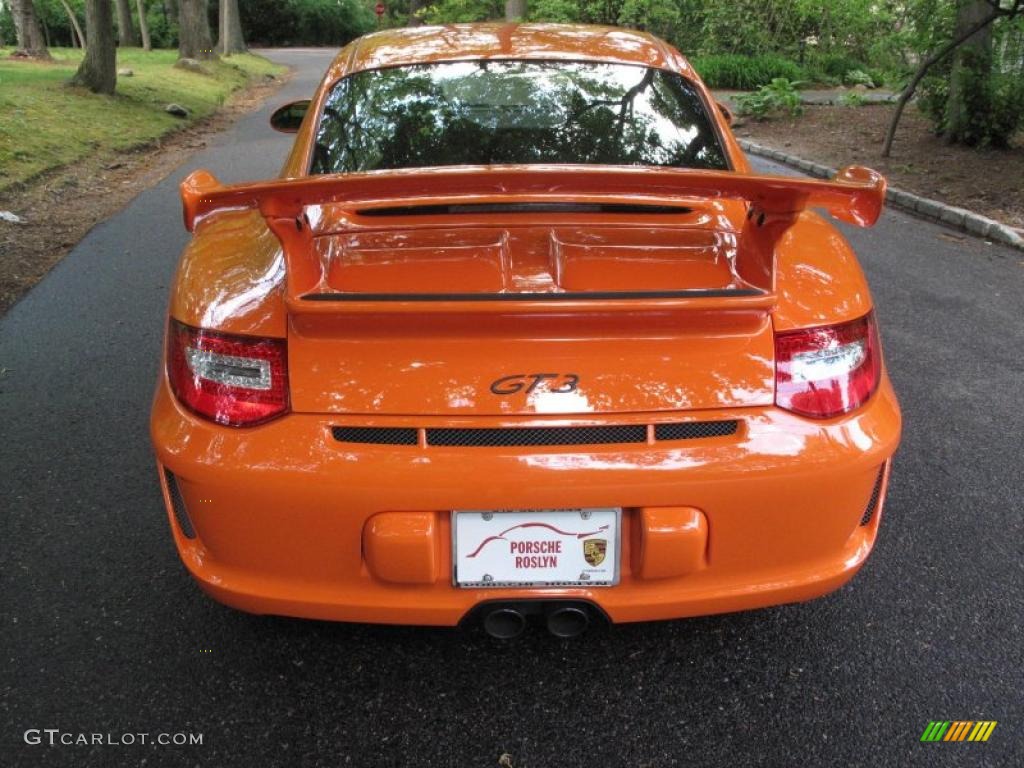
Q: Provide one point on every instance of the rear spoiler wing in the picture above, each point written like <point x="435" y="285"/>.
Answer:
<point x="856" y="196"/>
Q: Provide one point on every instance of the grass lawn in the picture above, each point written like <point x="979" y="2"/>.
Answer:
<point x="46" y="124"/>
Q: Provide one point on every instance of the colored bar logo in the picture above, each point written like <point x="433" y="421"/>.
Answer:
<point x="958" y="730"/>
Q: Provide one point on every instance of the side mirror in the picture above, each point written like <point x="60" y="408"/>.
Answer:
<point x="726" y="112"/>
<point x="288" y="118"/>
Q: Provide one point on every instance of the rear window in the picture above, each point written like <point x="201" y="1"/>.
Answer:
<point x="514" y="112"/>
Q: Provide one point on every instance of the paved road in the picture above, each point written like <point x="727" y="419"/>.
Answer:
<point x="103" y="632"/>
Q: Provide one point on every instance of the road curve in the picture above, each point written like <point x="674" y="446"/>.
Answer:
<point x="104" y="633"/>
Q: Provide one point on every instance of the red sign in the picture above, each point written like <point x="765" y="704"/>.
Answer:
<point x="379" y="9"/>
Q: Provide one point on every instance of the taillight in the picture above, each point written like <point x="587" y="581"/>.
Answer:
<point x="827" y="371"/>
<point x="233" y="380"/>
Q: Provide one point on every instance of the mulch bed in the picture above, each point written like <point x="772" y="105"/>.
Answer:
<point x="986" y="181"/>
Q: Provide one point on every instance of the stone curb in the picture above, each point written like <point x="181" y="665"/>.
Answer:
<point x="957" y="218"/>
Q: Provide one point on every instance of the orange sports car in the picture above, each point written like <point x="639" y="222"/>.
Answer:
<point x="517" y="334"/>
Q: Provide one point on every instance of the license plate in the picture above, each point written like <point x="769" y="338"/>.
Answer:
<point x="536" y="547"/>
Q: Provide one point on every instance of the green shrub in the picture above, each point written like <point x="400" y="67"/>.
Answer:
<point x="1007" y="115"/>
<point x="852" y="99"/>
<point x="893" y="79"/>
<point x="744" y="73"/>
<point x="994" y="104"/>
<point x="834" y="64"/>
<point x="932" y="94"/>
<point x="778" y="97"/>
<point x="837" y="69"/>
<point x="858" y="77"/>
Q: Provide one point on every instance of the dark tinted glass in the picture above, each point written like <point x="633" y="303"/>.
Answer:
<point x="503" y="112"/>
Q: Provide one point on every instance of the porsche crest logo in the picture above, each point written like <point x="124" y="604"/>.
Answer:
<point x="593" y="551"/>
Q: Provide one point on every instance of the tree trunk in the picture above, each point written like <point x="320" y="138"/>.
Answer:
<point x="80" y="36"/>
<point x="125" y="33"/>
<point x="143" y="25"/>
<point x="231" y="38"/>
<point x="973" y="58"/>
<point x="27" y="30"/>
<point x="194" y="40"/>
<point x="415" y="6"/>
<point x="98" y="71"/>
<point x="515" y="10"/>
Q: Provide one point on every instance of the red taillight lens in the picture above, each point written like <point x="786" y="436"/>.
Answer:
<point x="827" y="371"/>
<point x="233" y="380"/>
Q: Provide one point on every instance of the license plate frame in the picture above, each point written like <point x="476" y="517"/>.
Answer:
<point x="568" y="525"/>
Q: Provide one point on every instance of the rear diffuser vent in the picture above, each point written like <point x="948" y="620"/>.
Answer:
<point x="491" y="437"/>
<point x="178" y="506"/>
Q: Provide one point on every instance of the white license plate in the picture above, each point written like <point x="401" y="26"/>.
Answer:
<point x="536" y="547"/>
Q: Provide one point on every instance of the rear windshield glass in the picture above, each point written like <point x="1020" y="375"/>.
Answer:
<point x="505" y="112"/>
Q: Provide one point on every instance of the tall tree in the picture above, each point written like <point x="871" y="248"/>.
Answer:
<point x="972" y="62"/>
<point x="230" y="29"/>
<point x="98" y="70"/>
<point x="27" y="30"/>
<point x="996" y="8"/>
<point x="515" y="10"/>
<point x="78" y="34"/>
<point x="125" y="32"/>
<point x="143" y="25"/>
<point x="194" y="40"/>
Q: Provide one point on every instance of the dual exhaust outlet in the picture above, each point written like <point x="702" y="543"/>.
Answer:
<point x="563" y="618"/>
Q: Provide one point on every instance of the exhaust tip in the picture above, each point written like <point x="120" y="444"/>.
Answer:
<point x="568" y="622"/>
<point x="504" y="623"/>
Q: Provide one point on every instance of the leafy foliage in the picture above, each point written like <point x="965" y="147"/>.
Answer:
<point x="780" y="96"/>
<point x="858" y="77"/>
<point x="744" y="73"/>
<point x="852" y="99"/>
<point x="305" y="22"/>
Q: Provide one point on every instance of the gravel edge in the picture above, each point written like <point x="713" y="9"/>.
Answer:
<point x="934" y="210"/>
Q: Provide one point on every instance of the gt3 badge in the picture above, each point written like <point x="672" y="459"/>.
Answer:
<point x="559" y="383"/>
<point x="593" y="551"/>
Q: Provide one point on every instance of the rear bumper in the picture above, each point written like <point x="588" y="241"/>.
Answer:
<point x="280" y="511"/>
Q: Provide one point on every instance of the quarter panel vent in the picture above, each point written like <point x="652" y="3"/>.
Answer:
<point x="876" y="492"/>
<point x="178" y="506"/>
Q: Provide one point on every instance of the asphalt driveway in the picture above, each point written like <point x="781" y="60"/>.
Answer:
<point x="102" y="631"/>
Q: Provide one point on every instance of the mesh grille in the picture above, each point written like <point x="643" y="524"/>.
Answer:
<point x="693" y="430"/>
<point x="521" y="436"/>
<point x="869" y="511"/>
<point x="178" y="506"/>
<point x="376" y="435"/>
<point x="489" y="437"/>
